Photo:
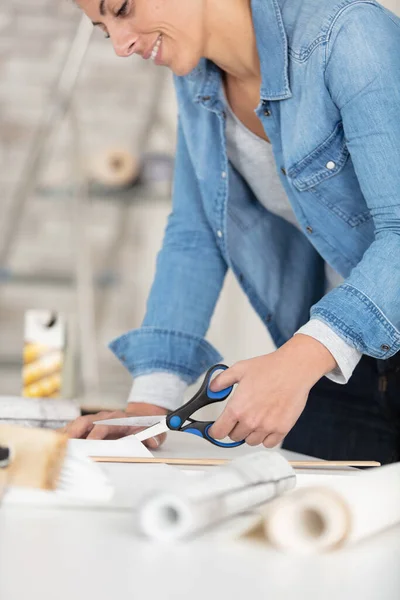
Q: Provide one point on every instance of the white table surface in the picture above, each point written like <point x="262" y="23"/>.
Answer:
<point x="89" y="554"/>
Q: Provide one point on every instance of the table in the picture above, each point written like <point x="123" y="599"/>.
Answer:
<point x="85" y="554"/>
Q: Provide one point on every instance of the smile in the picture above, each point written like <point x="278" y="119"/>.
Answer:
<point x="156" y="48"/>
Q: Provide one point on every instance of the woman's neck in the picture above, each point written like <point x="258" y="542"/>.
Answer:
<point x="230" y="38"/>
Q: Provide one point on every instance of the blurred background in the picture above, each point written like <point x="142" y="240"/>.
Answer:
<point x="121" y="111"/>
<point x="79" y="230"/>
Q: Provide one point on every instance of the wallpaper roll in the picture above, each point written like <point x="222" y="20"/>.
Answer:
<point x="229" y="490"/>
<point x="319" y="519"/>
<point x="115" y="168"/>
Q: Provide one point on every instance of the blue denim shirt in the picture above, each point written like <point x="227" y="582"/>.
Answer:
<point x="330" y="104"/>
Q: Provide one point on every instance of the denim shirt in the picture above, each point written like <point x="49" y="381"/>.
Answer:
<point x="330" y="104"/>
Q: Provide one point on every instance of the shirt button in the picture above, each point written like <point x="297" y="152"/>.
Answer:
<point x="267" y="113"/>
<point x="223" y="174"/>
<point x="330" y="165"/>
<point x="309" y="229"/>
<point x="206" y="98"/>
<point x="385" y="347"/>
<point x="219" y="233"/>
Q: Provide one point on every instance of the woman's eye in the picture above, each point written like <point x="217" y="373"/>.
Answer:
<point x="123" y="10"/>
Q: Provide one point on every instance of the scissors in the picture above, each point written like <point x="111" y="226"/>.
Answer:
<point x="180" y="419"/>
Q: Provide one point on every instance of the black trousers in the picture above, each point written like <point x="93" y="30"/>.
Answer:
<point x="356" y="421"/>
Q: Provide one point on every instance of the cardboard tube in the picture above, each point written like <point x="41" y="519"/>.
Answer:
<point x="115" y="168"/>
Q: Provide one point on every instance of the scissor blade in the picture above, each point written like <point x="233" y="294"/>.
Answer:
<point x="161" y="427"/>
<point x="132" y="421"/>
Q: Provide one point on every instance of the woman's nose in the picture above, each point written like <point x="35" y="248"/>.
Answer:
<point x="123" y="45"/>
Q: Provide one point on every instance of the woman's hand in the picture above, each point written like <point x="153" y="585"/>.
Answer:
<point x="83" y="427"/>
<point x="272" y="391"/>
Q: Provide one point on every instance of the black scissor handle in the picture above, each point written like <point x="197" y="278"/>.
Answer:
<point x="201" y="428"/>
<point x="204" y="397"/>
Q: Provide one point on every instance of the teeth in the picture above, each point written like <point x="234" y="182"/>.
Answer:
<point x="156" y="48"/>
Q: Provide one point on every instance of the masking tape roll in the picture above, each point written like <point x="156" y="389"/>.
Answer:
<point x="115" y="168"/>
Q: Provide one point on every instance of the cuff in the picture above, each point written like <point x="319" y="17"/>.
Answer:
<point x="161" y="389"/>
<point x="346" y="357"/>
<point x="357" y="319"/>
<point x="150" y="349"/>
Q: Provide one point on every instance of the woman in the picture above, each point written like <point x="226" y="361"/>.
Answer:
<point x="287" y="172"/>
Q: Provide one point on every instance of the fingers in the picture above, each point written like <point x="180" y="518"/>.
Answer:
<point x="227" y="378"/>
<point x="99" y="432"/>
<point x="240" y="432"/>
<point x="273" y="439"/>
<point x="256" y="438"/>
<point x="83" y="426"/>
<point x="106" y="432"/>
<point x="155" y="442"/>
<point x="224" y="425"/>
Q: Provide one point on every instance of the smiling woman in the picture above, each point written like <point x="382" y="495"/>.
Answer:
<point x="287" y="172"/>
<point x="169" y="32"/>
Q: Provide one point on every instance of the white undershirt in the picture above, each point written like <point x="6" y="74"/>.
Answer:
<point x="253" y="158"/>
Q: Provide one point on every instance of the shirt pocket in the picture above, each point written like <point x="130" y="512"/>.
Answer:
<point x="328" y="173"/>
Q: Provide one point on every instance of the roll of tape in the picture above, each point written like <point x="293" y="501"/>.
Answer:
<point x="115" y="168"/>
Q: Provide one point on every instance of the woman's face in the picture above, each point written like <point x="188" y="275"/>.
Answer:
<point x="170" y="32"/>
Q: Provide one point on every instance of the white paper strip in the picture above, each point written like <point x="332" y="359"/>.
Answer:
<point x="229" y="490"/>
<point x="128" y="446"/>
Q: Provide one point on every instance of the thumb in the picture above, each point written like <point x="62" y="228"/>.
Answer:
<point x="226" y="378"/>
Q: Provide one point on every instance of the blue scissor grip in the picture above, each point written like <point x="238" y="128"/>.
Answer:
<point x="194" y="432"/>
<point x="175" y="422"/>
<point x="222" y="394"/>
<point x="218" y="443"/>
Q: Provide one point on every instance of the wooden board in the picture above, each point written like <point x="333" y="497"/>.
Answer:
<point x="207" y="462"/>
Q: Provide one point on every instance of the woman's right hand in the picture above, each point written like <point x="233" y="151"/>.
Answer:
<point x="84" y="428"/>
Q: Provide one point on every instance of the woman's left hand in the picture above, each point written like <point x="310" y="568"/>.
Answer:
<point x="272" y="391"/>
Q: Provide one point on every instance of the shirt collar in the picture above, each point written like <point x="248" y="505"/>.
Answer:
<point x="273" y="52"/>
